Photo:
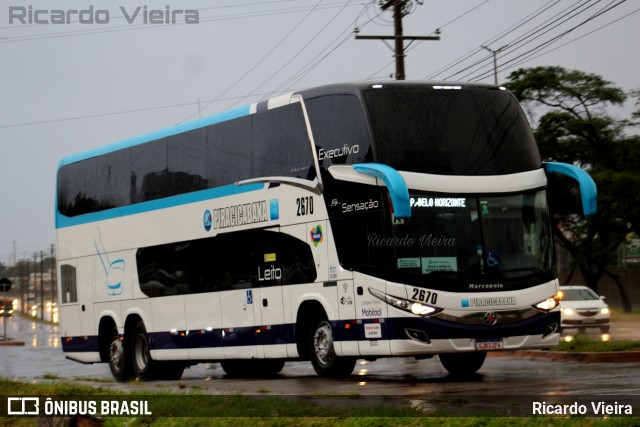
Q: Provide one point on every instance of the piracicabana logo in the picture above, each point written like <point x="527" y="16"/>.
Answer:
<point x="139" y="15"/>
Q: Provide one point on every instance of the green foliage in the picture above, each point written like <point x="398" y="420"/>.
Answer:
<point x="574" y="128"/>
<point x="259" y="412"/>
<point x="582" y="343"/>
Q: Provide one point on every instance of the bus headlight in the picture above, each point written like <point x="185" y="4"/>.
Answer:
<point x="405" y="305"/>
<point x="549" y="304"/>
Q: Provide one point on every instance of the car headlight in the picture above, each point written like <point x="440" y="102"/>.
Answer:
<point x="604" y="310"/>
<point x="405" y="305"/>
<point x="567" y="312"/>
<point x="550" y="303"/>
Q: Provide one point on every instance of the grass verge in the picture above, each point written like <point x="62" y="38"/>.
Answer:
<point x="583" y="343"/>
<point x="237" y="410"/>
<point x="618" y="315"/>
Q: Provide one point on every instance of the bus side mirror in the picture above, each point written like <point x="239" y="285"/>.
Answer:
<point x="588" y="190"/>
<point x="395" y="183"/>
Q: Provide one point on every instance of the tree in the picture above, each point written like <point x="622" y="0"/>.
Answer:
<point x="575" y="128"/>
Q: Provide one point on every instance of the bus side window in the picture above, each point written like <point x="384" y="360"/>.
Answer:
<point x="69" y="288"/>
<point x="281" y="259"/>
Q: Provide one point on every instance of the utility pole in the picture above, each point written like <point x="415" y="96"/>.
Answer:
<point x="400" y="9"/>
<point x="54" y="290"/>
<point x="42" y="284"/>
<point x="495" y="62"/>
<point x="35" y="276"/>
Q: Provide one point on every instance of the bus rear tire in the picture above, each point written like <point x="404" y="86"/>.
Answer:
<point x="254" y="368"/>
<point x="323" y="356"/>
<point x="118" y="358"/>
<point x="168" y="370"/>
<point x="141" y="362"/>
<point x="463" y="363"/>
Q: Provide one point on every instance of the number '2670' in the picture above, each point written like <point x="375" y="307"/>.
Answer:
<point x="424" y="295"/>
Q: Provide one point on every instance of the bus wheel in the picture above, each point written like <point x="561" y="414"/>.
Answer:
<point x="168" y="370"/>
<point x="254" y="368"/>
<point x="323" y="356"/>
<point x="140" y="355"/>
<point x="235" y="368"/>
<point x="118" y="361"/>
<point x="463" y="363"/>
<point x="271" y="367"/>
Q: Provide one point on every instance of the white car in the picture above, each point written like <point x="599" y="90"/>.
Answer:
<point x="582" y="308"/>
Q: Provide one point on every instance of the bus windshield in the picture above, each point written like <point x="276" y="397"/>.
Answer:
<point x="451" y="132"/>
<point x="473" y="243"/>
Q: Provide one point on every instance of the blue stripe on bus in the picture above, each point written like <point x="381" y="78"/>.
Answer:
<point x="391" y="329"/>
<point x="82" y="344"/>
<point x="63" y="221"/>
<point x="163" y="133"/>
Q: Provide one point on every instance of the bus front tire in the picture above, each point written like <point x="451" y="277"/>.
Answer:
<point x="118" y="361"/>
<point x="323" y="356"/>
<point x="463" y="363"/>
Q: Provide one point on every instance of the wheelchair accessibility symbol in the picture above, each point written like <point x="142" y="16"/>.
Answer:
<point x="493" y="259"/>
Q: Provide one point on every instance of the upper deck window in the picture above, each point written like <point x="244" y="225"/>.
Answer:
<point x="270" y="143"/>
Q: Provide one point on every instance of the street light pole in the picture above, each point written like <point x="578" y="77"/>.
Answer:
<point x="495" y="62"/>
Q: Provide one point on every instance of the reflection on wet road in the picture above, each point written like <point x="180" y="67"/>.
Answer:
<point x="41" y="358"/>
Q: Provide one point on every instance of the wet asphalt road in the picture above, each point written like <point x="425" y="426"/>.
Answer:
<point x="41" y="359"/>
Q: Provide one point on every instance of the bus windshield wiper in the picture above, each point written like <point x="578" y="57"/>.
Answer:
<point x="533" y="270"/>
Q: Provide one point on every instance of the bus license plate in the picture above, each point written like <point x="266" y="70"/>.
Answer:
<point x="492" y="344"/>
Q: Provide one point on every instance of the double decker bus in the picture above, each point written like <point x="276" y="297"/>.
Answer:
<point x="335" y="223"/>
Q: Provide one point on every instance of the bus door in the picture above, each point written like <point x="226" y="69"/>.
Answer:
<point x="276" y="265"/>
<point x="68" y="298"/>
<point x="238" y="324"/>
<point x="76" y="303"/>
<point x="234" y="268"/>
<point x="86" y="296"/>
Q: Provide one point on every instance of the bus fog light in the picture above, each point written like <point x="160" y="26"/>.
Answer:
<point x="417" y="335"/>
<point x="551" y="329"/>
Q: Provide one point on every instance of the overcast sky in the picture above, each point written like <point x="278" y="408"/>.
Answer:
<point x="71" y="87"/>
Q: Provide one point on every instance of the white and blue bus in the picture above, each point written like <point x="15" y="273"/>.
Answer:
<point x="341" y="222"/>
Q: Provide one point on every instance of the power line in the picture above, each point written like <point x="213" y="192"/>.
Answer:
<point x="295" y="55"/>
<point x="134" y="27"/>
<point x="544" y="44"/>
<point x="261" y="3"/>
<point x="433" y="32"/>
<point x="494" y="39"/>
<point x="115" y="113"/>
<point x="571" y="41"/>
<point x="259" y="62"/>
<point x="314" y="62"/>
<point x="513" y="45"/>
<point x="209" y="102"/>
